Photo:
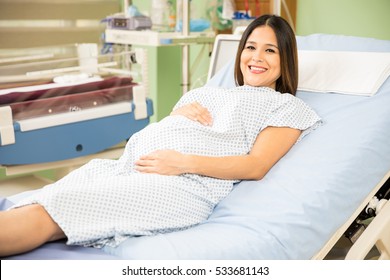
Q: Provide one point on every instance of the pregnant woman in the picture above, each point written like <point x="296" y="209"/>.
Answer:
<point x="173" y="173"/>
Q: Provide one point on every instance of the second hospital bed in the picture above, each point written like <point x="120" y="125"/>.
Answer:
<point x="307" y="200"/>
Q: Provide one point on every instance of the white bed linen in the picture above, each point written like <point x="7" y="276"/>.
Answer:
<point x="359" y="73"/>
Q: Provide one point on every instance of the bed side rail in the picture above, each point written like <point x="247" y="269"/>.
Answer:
<point x="376" y="234"/>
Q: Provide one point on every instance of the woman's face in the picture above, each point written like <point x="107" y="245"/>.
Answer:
<point x="260" y="58"/>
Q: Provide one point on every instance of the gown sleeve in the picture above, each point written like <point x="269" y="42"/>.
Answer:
<point x="294" y="113"/>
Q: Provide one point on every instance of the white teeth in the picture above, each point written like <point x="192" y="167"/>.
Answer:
<point x="257" y="68"/>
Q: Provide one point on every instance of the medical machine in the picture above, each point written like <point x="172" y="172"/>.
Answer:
<point x="129" y="23"/>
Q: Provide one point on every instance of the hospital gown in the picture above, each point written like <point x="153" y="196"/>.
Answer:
<point x="106" y="201"/>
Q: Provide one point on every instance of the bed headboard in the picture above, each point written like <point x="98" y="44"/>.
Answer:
<point x="225" y="48"/>
<point x="221" y="70"/>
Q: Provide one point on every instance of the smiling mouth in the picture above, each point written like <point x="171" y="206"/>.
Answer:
<point x="257" y="69"/>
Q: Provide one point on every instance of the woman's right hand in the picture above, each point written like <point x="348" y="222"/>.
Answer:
<point x="196" y="112"/>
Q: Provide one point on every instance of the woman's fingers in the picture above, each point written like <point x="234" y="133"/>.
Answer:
<point x="196" y="112"/>
<point x="164" y="162"/>
<point x="200" y="114"/>
<point x="145" y="164"/>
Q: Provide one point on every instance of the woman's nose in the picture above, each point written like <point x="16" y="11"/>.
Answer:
<point x="257" y="56"/>
<point x="257" y="59"/>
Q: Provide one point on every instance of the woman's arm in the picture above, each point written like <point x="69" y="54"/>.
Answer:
<point x="271" y="145"/>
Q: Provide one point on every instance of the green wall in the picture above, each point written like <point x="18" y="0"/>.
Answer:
<point x="347" y="17"/>
<point x="164" y="69"/>
<point x="165" y="72"/>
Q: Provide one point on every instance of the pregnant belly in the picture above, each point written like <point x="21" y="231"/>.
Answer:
<point x="186" y="136"/>
<point x="173" y="133"/>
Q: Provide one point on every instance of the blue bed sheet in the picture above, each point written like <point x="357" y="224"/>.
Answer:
<point x="301" y="202"/>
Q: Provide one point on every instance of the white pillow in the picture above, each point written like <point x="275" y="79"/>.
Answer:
<point x="358" y="73"/>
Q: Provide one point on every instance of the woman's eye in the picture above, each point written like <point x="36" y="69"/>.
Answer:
<point x="270" y="50"/>
<point x="250" y="47"/>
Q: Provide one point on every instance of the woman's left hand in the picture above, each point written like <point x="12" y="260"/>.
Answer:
<point x="196" y="112"/>
<point x="163" y="162"/>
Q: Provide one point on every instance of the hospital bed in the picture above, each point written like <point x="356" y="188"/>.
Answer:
<point x="311" y="197"/>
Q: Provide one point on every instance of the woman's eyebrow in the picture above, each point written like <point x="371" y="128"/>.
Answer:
<point x="268" y="44"/>
<point x="272" y="45"/>
<point x="251" y="42"/>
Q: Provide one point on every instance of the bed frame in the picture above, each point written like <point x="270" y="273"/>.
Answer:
<point x="364" y="237"/>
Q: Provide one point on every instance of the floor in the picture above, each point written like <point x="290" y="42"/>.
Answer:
<point x="9" y="187"/>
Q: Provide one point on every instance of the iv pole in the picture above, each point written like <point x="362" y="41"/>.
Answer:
<point x="186" y="47"/>
<point x="277" y="7"/>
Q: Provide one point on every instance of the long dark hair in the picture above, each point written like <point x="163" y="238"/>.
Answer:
<point x="288" y="80"/>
